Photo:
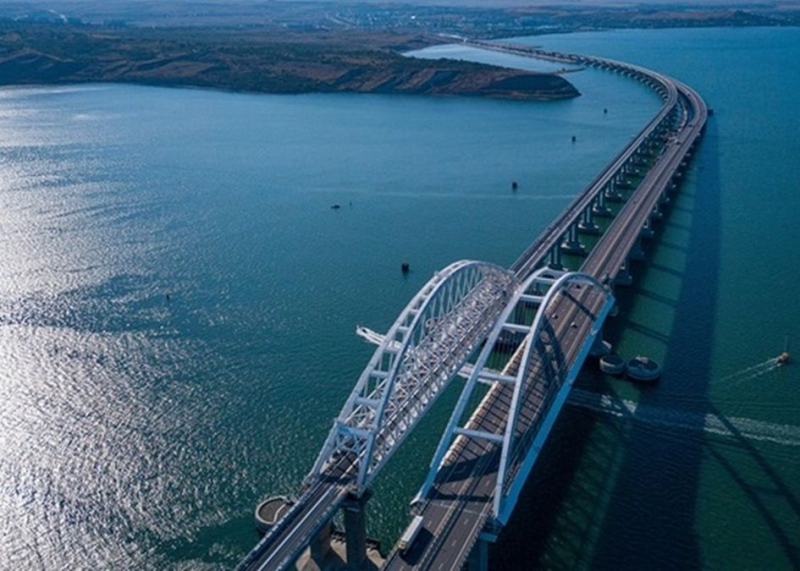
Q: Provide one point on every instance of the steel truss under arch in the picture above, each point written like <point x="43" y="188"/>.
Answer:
<point x="421" y="353"/>
<point x="540" y="289"/>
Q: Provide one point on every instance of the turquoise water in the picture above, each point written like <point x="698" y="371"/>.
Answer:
<point x="139" y="431"/>
<point x="709" y="476"/>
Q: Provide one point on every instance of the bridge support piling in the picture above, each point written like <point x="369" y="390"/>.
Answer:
<point x="571" y="244"/>
<point x="637" y="252"/>
<point x="355" y="530"/>
<point x="647" y="231"/>
<point x="612" y="193"/>
<point x="600" y="348"/>
<point x="600" y="209"/>
<point x="319" y="548"/>
<point x="624" y="277"/>
<point x="587" y="225"/>
<point x="479" y="556"/>
<point x="656" y="214"/>
<point x="555" y="258"/>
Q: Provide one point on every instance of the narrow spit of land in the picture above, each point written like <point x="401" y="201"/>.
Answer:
<point x="260" y="61"/>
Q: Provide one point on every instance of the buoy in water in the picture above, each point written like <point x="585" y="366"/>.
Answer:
<point x="405" y="268"/>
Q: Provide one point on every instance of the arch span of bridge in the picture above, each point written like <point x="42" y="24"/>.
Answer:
<point x="528" y="294"/>
<point x="422" y="352"/>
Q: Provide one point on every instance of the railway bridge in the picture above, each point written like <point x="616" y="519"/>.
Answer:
<point x="525" y="331"/>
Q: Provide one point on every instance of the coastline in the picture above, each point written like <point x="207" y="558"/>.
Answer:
<point x="259" y="63"/>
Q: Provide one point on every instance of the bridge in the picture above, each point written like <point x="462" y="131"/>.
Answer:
<point x="523" y="332"/>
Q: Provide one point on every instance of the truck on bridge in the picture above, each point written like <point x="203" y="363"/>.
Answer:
<point x="410" y="534"/>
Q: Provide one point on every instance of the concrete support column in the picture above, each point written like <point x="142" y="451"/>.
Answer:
<point x="555" y="258"/>
<point x="320" y="547"/>
<point x="355" y="530"/>
<point x="587" y="224"/>
<point x="479" y="556"/>
<point x="624" y="276"/>
<point x="600" y="348"/>
<point x="637" y="253"/>
<point x="657" y="214"/>
<point x="600" y="209"/>
<point x="647" y="230"/>
<point x="571" y="244"/>
<point x="611" y="193"/>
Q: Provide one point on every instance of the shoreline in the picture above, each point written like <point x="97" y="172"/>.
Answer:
<point x="223" y="90"/>
<point x="311" y="63"/>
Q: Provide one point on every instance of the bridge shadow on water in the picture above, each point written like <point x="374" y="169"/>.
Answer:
<point x="761" y="497"/>
<point x="611" y="494"/>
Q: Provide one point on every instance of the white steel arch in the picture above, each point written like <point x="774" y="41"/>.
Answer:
<point x="422" y="352"/>
<point x="528" y="292"/>
<point x="543" y="274"/>
<point x="525" y="366"/>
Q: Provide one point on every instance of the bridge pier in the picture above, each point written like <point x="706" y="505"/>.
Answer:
<point x="600" y="348"/>
<point x="624" y="183"/>
<point x="479" y="556"/>
<point x="572" y="244"/>
<point x="656" y="214"/>
<point x="600" y="209"/>
<point x="554" y="259"/>
<point x="647" y="231"/>
<point x="637" y="252"/>
<point x="587" y="225"/>
<point x="589" y="228"/>
<point x="319" y="548"/>
<point x="611" y="193"/>
<point x="624" y="276"/>
<point x="355" y="531"/>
